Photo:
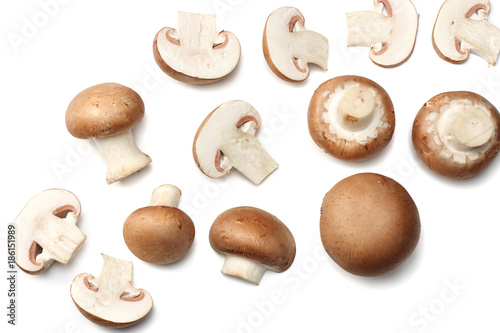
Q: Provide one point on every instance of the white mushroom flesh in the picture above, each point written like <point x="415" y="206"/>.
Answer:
<point x="244" y="268"/>
<point x="122" y="155"/>
<point x="479" y="37"/>
<point x="166" y="195"/>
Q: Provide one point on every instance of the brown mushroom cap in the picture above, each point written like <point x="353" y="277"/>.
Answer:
<point x="434" y="146"/>
<point x="103" y="110"/>
<point x="369" y="224"/>
<point x="159" y="234"/>
<point x="331" y="143"/>
<point x="254" y="234"/>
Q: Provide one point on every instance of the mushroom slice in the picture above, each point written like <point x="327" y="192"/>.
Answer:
<point x="110" y="300"/>
<point x="226" y="139"/>
<point x="289" y="46"/>
<point x="457" y="33"/>
<point x="456" y="134"/>
<point x="253" y="241"/>
<point x="47" y="231"/>
<point x="195" y="52"/>
<point x="391" y="37"/>
<point x="351" y="118"/>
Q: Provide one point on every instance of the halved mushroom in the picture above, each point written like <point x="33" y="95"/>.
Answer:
<point x="160" y="233"/>
<point x="195" y="52"/>
<point x="456" y="134"/>
<point x="457" y="33"/>
<point x="226" y="139"/>
<point x="351" y="118"/>
<point x="110" y="300"/>
<point x="47" y="231"/>
<point x="391" y="38"/>
<point x="288" y="46"/>
<point x="253" y="241"/>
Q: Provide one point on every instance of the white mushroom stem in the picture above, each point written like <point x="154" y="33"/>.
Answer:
<point x="196" y="30"/>
<point x="310" y="47"/>
<point x="368" y="28"/>
<point x="246" y="154"/>
<point x="166" y="195"/>
<point x="356" y="108"/>
<point x="472" y="127"/>
<point x="244" y="268"/>
<point x="479" y="36"/>
<point x="122" y="155"/>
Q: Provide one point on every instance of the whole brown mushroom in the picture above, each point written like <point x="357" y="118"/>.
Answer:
<point x="369" y="224"/>
<point x="160" y="233"/>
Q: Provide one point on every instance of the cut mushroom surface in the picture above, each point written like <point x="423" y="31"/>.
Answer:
<point x="456" y="134"/>
<point x="46" y="230"/>
<point x="369" y="224"/>
<point x="289" y="47"/>
<point x="160" y="233"/>
<point x="253" y="241"/>
<point x="390" y="36"/>
<point x="110" y="300"/>
<point x="351" y="118"/>
<point x="458" y="32"/>
<point x="226" y="139"/>
<point x="195" y="52"/>
<point x="107" y="113"/>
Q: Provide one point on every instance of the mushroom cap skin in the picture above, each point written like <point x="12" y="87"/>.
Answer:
<point x="159" y="234"/>
<point x="434" y="141"/>
<point x="253" y="234"/>
<point x="103" y="110"/>
<point x="338" y="141"/>
<point x="369" y="224"/>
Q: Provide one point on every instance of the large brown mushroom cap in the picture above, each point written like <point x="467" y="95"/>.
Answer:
<point x="369" y="224"/>
<point x="436" y="144"/>
<point x="254" y="234"/>
<point x="159" y="234"/>
<point x="103" y="110"/>
<point x="331" y="135"/>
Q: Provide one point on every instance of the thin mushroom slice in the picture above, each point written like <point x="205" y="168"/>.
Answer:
<point x="458" y="32"/>
<point x="391" y="37"/>
<point x="110" y="300"/>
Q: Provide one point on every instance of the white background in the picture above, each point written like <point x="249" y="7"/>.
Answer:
<point x="88" y="42"/>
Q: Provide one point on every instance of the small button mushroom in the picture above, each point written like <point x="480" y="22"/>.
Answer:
<point x="456" y="34"/>
<point x="110" y="300"/>
<point x="456" y="134"/>
<point x="391" y="38"/>
<point x="351" y="118"/>
<point x="107" y="112"/>
<point x="369" y="224"/>
<point x="253" y="241"/>
<point x="160" y="233"/>
<point x="288" y="46"/>
<point x="226" y="139"/>
<point x="46" y="231"/>
<point x="195" y="52"/>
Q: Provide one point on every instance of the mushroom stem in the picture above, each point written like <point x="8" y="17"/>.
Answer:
<point x="367" y="28"/>
<point x="356" y="108"/>
<point x="247" y="155"/>
<point x="197" y="30"/>
<point x="473" y="127"/>
<point x="310" y="47"/>
<point x="122" y="155"/>
<point x="244" y="268"/>
<point x="482" y="37"/>
<point x="166" y="195"/>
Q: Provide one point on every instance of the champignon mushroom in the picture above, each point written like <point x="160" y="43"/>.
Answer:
<point x="456" y="134"/>
<point x="226" y="139"/>
<point x="288" y="46"/>
<point x="457" y="33"/>
<point x="107" y="112"/>
<point x="252" y="240"/>
<point x="110" y="300"/>
<point x="46" y="230"/>
<point x="391" y="38"/>
<point x="160" y="233"/>
<point x="195" y="52"/>
<point x="351" y="118"/>
<point x="369" y="224"/>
